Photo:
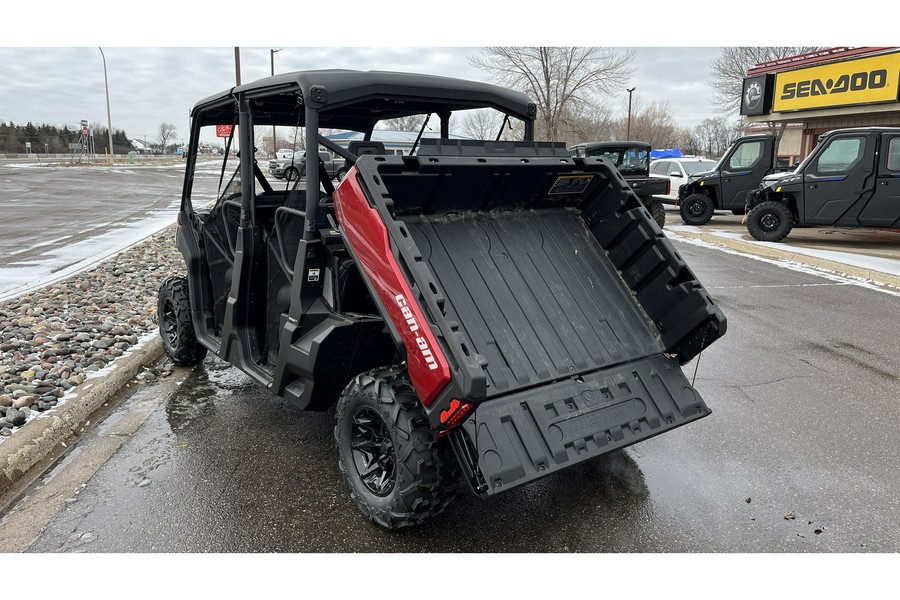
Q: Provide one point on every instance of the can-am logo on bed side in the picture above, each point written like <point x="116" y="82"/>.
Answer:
<point x="413" y="325"/>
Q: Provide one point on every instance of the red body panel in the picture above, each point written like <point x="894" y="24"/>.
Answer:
<point x="367" y="236"/>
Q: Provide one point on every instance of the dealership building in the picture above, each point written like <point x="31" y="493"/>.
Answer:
<point x="821" y="91"/>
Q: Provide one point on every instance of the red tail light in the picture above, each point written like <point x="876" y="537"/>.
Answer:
<point x="455" y="413"/>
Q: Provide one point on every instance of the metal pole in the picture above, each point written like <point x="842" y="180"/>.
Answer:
<point x="628" y="132"/>
<point x="312" y="172"/>
<point x="112" y="151"/>
<point x="237" y="65"/>
<point x="272" y="60"/>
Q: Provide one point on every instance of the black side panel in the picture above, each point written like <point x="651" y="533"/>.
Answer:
<point x="314" y="367"/>
<point x="535" y="295"/>
<point x="531" y="434"/>
<point x="687" y="318"/>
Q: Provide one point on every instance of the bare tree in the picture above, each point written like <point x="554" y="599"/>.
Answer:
<point x="291" y="137"/>
<point x="562" y="80"/>
<point x="653" y="124"/>
<point x="730" y="68"/>
<point x="481" y="124"/>
<point x="587" y="124"/>
<point x="407" y="123"/>
<point x="259" y="137"/>
<point x="165" y="134"/>
<point x="713" y="136"/>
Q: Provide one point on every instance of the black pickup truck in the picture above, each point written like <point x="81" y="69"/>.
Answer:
<point x="632" y="159"/>
<point x="851" y="179"/>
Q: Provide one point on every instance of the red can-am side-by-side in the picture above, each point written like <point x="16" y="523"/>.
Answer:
<point x="494" y="311"/>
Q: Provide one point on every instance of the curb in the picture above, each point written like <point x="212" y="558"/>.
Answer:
<point x="796" y="257"/>
<point x="39" y="437"/>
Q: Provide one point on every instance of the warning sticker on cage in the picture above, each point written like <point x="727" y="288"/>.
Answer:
<point x="571" y="184"/>
<point x="312" y="275"/>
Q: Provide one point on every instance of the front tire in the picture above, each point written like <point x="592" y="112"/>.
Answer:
<point x="173" y="312"/>
<point x="697" y="209"/>
<point x="341" y="174"/>
<point x="770" y="221"/>
<point x="398" y="471"/>
<point x="291" y="173"/>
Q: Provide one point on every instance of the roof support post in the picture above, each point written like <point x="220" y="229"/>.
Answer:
<point x="445" y="124"/>
<point x="312" y="172"/>
<point x="245" y="136"/>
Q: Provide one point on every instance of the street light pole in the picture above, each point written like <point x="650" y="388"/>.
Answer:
<point x="237" y="65"/>
<point x="628" y="132"/>
<point x="272" y="60"/>
<point x="112" y="151"/>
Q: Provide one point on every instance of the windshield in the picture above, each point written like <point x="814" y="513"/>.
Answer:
<point x="628" y="159"/>
<point x="697" y="166"/>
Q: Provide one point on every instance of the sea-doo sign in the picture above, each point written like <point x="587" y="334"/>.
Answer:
<point x="862" y="81"/>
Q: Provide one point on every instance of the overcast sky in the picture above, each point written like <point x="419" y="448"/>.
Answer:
<point x="165" y="56"/>
<point x="150" y="85"/>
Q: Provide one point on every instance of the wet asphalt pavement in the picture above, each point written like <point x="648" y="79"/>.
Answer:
<point x="799" y="454"/>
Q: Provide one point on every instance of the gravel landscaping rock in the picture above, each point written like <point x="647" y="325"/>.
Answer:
<point x="52" y="338"/>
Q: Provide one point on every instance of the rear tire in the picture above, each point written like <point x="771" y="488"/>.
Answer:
<point x="657" y="211"/>
<point x="173" y="312"/>
<point x="398" y="471"/>
<point x="697" y="209"/>
<point x="341" y="174"/>
<point x="770" y="221"/>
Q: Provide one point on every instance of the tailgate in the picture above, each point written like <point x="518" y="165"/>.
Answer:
<point x="522" y="437"/>
<point x="652" y="186"/>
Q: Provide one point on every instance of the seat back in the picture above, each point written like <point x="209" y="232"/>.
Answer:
<point x="361" y="148"/>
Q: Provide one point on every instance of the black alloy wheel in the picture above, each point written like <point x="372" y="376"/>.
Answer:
<point x="373" y="452"/>
<point x="397" y="469"/>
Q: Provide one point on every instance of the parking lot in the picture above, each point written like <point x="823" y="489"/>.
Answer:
<point x="61" y="218"/>
<point x="798" y="455"/>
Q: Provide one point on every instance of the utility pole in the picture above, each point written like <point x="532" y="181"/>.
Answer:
<point x="272" y="60"/>
<point x="237" y="65"/>
<point x="112" y="151"/>
<point x="628" y="132"/>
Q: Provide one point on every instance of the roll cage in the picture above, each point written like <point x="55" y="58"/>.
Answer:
<point x="340" y="99"/>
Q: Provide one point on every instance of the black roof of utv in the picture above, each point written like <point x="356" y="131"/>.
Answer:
<point x="374" y="96"/>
